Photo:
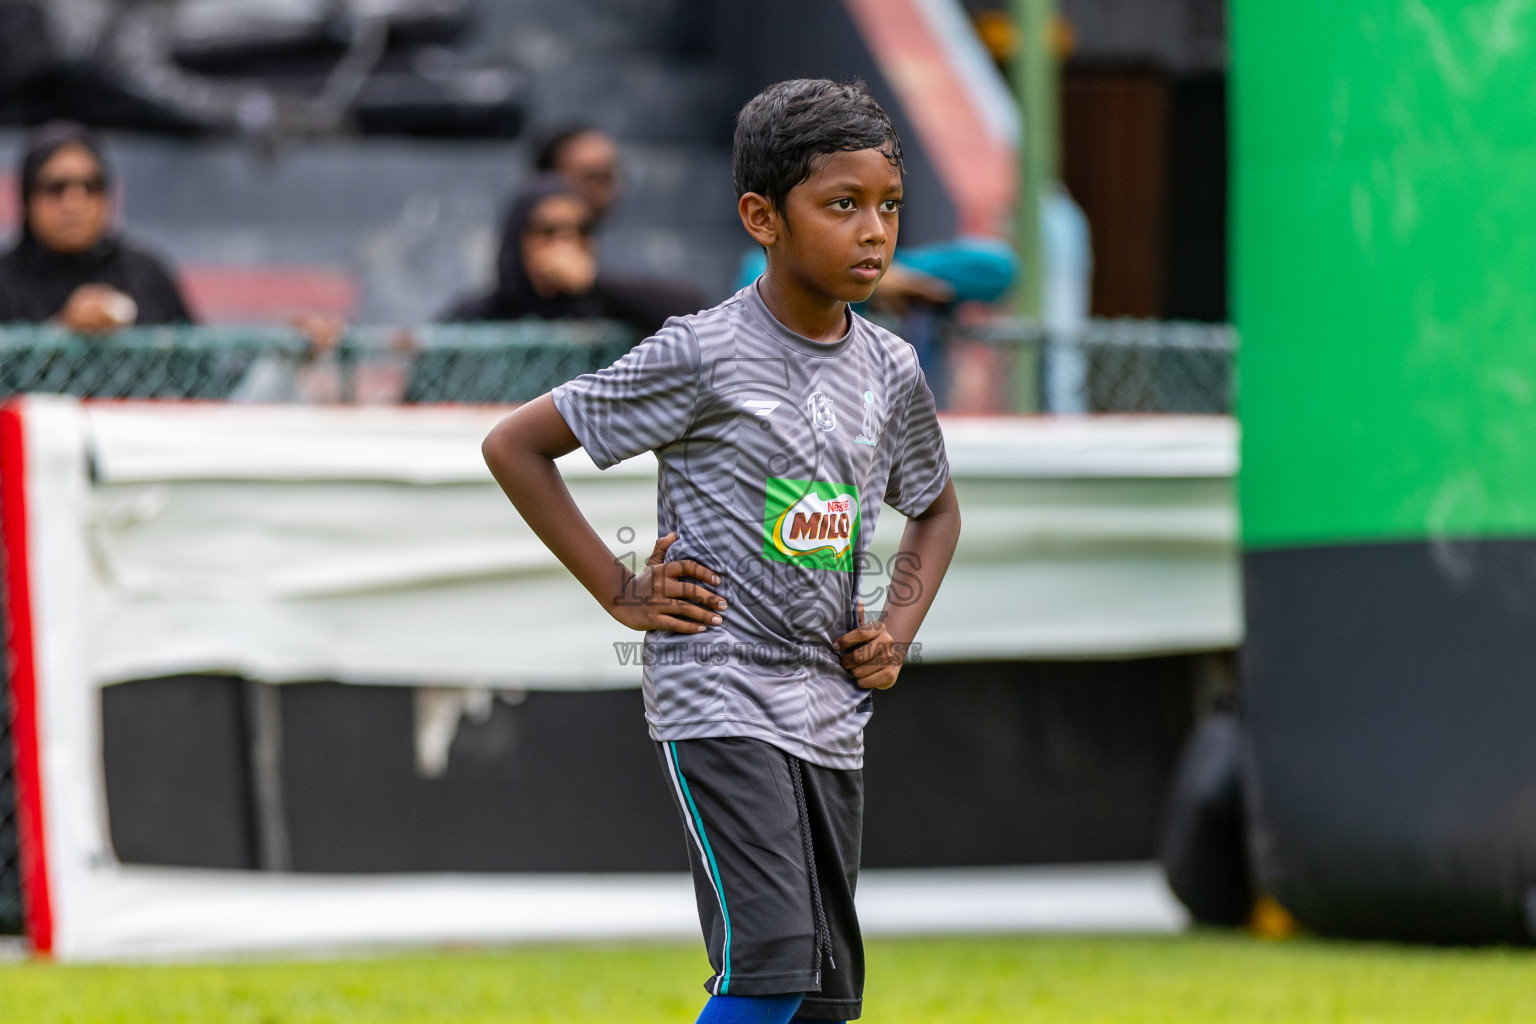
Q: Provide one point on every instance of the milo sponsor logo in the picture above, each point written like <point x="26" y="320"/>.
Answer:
<point x="811" y="523"/>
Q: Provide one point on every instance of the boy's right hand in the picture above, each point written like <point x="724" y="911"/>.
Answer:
<point x="670" y="595"/>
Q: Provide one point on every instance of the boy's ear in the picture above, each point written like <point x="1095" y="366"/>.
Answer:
<point x="759" y="218"/>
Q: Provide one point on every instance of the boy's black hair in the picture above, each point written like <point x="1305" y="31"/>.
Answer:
<point x="787" y="129"/>
<point x="547" y="154"/>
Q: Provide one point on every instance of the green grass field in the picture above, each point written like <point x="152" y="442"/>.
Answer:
<point x="1187" y="979"/>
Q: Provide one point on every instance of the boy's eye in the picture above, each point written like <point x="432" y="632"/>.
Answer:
<point x="843" y="204"/>
<point x="891" y="205"/>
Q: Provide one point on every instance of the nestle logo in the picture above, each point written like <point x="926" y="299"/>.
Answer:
<point x="810" y="522"/>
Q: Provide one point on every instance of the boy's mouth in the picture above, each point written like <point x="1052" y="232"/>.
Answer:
<point x="869" y="270"/>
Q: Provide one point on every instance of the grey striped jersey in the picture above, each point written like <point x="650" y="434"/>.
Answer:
<point x="775" y="453"/>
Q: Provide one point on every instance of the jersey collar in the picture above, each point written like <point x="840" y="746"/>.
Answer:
<point x="761" y="313"/>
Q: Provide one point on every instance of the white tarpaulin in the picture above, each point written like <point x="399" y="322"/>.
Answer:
<point x="371" y="546"/>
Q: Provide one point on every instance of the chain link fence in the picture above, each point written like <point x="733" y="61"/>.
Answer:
<point x="1110" y="366"/>
<point x="461" y="363"/>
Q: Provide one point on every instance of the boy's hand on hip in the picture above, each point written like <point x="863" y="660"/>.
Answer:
<point x="871" y="654"/>
<point x="670" y="595"/>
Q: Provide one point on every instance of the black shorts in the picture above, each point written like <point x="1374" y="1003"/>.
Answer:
<point x="774" y="846"/>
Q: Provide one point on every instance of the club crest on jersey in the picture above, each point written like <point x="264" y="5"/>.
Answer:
<point x="811" y="523"/>
<point x="869" y="433"/>
<point x="819" y="406"/>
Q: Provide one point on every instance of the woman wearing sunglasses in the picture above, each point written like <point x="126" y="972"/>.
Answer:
<point x="547" y="267"/>
<point x="69" y="267"/>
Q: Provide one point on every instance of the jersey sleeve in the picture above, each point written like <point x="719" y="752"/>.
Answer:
<point x="642" y="402"/>
<point x="919" y="466"/>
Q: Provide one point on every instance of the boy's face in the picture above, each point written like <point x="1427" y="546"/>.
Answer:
<point x="837" y="231"/>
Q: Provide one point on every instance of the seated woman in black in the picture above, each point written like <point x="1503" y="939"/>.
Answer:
<point x="69" y="268"/>
<point x="547" y="267"/>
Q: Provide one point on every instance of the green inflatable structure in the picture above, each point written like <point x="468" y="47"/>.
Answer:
<point x="1385" y="276"/>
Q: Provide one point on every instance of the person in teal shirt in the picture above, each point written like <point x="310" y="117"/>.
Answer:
<point x="966" y="269"/>
<point x="922" y="281"/>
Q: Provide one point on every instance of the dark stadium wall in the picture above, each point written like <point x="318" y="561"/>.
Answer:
<point x="969" y="764"/>
<point x="1385" y="204"/>
<point x="765" y="41"/>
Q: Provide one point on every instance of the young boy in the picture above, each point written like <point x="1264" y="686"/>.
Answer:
<point x="780" y="420"/>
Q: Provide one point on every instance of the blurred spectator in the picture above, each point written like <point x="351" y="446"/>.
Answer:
<point x="589" y="160"/>
<point x="547" y="267"/>
<point x="69" y="267"/>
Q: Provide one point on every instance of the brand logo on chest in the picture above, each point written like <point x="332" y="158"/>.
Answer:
<point x="811" y="522"/>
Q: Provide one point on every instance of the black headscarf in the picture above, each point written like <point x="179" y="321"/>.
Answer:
<point x="40" y="147"/>
<point x="515" y="295"/>
<point x="36" y="282"/>
<point x="644" y="303"/>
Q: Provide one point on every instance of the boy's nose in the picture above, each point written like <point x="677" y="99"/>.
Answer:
<point x="872" y="230"/>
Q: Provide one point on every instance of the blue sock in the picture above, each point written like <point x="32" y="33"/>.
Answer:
<point x="750" y="1009"/>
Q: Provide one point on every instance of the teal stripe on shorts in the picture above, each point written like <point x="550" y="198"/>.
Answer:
<point x="714" y="870"/>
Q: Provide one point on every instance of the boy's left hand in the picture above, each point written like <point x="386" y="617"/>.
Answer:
<point x="871" y="654"/>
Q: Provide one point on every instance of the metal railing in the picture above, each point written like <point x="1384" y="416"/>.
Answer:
<point x="1110" y="366"/>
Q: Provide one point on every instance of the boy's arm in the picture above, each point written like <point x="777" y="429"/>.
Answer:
<point x="927" y="544"/>
<point x="521" y="452"/>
